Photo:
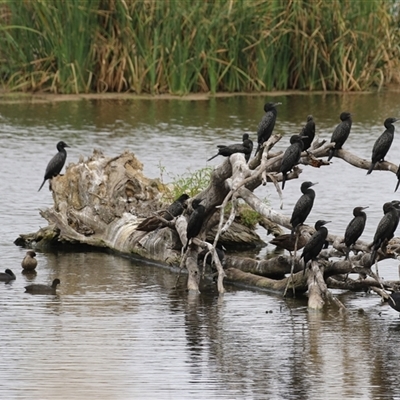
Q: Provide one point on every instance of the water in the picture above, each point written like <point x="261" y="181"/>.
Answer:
<point x="119" y="330"/>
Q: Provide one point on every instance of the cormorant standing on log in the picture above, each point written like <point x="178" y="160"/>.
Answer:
<point x="267" y="124"/>
<point x="195" y="222"/>
<point x="316" y="243"/>
<point x="394" y="301"/>
<point x="56" y="164"/>
<point x="382" y="144"/>
<point x="341" y="133"/>
<point x="303" y="206"/>
<point x="173" y="210"/>
<point x="246" y="147"/>
<point x="308" y="132"/>
<point x="386" y="227"/>
<point x="355" y="228"/>
<point x="398" y="179"/>
<point x="291" y="157"/>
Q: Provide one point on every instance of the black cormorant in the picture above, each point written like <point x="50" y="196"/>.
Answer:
<point x="382" y="144"/>
<point x="246" y="147"/>
<point x="173" y="210"/>
<point x="308" y="132"/>
<point x="267" y="124"/>
<point x="303" y="206"/>
<point x="398" y="179"/>
<point x="355" y="228"/>
<point x="291" y="157"/>
<point x="7" y="276"/>
<point x="195" y="222"/>
<point x="56" y="164"/>
<point x="316" y="243"/>
<point x="38" y="288"/>
<point x="394" y="301"/>
<point x="386" y="227"/>
<point x="29" y="263"/>
<point x="341" y="133"/>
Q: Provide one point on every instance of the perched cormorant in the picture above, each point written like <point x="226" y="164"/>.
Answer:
<point x="7" y="276"/>
<point x="287" y="241"/>
<point x="386" y="227"/>
<point x="398" y="179"/>
<point x="173" y="210"/>
<point x="291" y="157"/>
<point x="308" y="132"/>
<point x="246" y="147"/>
<point x="316" y="243"/>
<point x="267" y="124"/>
<point x="195" y="221"/>
<point x="303" y="206"/>
<point x="394" y="301"/>
<point x="37" y="288"/>
<point x="29" y="263"/>
<point x="355" y="228"/>
<point x="341" y="133"/>
<point x="56" y="164"/>
<point x="382" y="144"/>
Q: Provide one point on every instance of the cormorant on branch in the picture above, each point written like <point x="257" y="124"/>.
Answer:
<point x="316" y="243"/>
<point x="355" y="228"/>
<point x="382" y="144"/>
<point x="341" y="133"/>
<point x="267" y="124"/>
<point x="303" y="206"/>
<point x="56" y="164"/>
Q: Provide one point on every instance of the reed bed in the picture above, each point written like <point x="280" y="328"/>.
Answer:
<point x="189" y="46"/>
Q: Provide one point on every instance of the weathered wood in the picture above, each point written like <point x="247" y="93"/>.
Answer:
<point x="100" y="202"/>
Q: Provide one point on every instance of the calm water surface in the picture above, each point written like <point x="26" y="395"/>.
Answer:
<point x="119" y="330"/>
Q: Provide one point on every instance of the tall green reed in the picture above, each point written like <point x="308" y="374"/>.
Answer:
<point x="188" y="46"/>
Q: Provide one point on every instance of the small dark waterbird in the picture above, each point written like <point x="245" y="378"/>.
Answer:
<point x="355" y="228"/>
<point x="288" y="241"/>
<point x="398" y="179"/>
<point x="29" y="262"/>
<point x="37" y="288"/>
<point x="56" y="164"/>
<point x="7" y="276"/>
<point x="303" y="205"/>
<point x="246" y="147"/>
<point x="308" y="133"/>
<point x="386" y="227"/>
<point x="341" y="133"/>
<point x="291" y="156"/>
<point x="316" y="243"/>
<point x="174" y="210"/>
<point x="382" y="144"/>
<point x="394" y="301"/>
<point x="267" y="124"/>
<point x="195" y="222"/>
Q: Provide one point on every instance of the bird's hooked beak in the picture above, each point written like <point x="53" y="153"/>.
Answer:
<point x="314" y="183"/>
<point x="326" y="222"/>
<point x="277" y="104"/>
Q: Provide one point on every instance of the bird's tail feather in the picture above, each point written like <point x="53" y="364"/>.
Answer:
<point x="41" y="185"/>
<point x="371" y="167"/>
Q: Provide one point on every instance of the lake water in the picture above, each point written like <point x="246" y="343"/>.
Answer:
<point x="118" y="328"/>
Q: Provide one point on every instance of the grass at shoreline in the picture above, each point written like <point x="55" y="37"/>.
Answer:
<point x="181" y="47"/>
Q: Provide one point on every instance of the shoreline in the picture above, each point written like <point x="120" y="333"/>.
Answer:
<point x="43" y="97"/>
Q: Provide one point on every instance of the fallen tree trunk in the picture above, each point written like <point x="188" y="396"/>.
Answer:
<point x="101" y="201"/>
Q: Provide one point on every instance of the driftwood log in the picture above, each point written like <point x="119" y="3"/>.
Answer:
<point x="100" y="202"/>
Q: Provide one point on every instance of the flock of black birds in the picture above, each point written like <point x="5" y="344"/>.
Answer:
<point x="291" y="157"/>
